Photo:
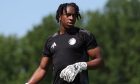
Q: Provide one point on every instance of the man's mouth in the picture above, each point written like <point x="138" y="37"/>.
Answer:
<point x="70" y="23"/>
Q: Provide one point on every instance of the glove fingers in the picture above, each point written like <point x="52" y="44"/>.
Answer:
<point x="62" y="74"/>
<point x="69" y="73"/>
<point x="68" y="76"/>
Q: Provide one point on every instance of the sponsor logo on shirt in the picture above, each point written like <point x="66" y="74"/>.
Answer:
<point x="53" y="45"/>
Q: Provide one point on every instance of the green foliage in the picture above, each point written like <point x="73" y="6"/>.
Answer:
<point x="37" y="37"/>
<point x="117" y="30"/>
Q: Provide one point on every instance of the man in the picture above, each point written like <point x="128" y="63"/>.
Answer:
<point x="68" y="50"/>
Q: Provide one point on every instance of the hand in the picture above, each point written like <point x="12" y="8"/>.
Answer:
<point x="69" y="73"/>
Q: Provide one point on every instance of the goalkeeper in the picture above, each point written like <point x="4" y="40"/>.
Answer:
<point x="68" y="50"/>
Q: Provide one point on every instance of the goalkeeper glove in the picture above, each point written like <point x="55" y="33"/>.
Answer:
<point x="69" y="73"/>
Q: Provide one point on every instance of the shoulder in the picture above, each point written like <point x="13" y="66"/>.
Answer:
<point x="86" y="34"/>
<point x="84" y="31"/>
<point x="51" y="37"/>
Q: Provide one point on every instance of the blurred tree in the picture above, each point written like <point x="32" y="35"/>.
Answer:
<point x="117" y="30"/>
<point x="36" y="39"/>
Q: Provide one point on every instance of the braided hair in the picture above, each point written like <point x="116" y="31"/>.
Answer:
<point x="63" y="6"/>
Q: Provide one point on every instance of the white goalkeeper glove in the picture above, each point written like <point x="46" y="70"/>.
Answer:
<point x="69" y="73"/>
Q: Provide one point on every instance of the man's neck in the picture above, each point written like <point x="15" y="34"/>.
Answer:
<point x="62" y="30"/>
<point x="71" y="30"/>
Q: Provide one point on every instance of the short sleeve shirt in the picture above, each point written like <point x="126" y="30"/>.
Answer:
<point x="69" y="48"/>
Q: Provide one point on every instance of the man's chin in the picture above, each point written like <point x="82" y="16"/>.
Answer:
<point x="70" y="26"/>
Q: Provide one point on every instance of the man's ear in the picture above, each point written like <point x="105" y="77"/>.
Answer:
<point x="59" y="18"/>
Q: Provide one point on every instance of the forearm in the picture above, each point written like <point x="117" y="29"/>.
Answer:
<point x="37" y="76"/>
<point x="96" y="59"/>
<point x="93" y="64"/>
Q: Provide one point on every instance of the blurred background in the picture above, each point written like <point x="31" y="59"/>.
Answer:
<point x="25" y="25"/>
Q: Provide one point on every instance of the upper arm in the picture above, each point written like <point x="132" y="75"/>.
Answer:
<point x="45" y="62"/>
<point x="95" y="52"/>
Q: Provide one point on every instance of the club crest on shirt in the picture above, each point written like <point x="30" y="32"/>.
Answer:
<point x="53" y="45"/>
<point x="72" y="41"/>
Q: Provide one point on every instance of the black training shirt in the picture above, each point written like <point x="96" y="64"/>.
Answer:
<point x="69" y="48"/>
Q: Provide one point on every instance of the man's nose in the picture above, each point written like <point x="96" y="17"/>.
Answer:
<point x="71" y="16"/>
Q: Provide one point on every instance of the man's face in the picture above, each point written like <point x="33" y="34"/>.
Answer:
<point x="68" y="18"/>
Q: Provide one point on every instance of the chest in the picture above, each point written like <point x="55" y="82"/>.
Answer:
<point x="66" y="42"/>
